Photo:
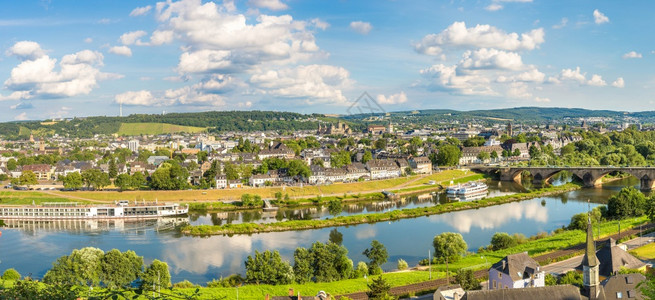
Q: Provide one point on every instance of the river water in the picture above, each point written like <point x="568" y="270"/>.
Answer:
<point x="31" y="247"/>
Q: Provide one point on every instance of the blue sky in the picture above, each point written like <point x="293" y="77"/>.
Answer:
<point x="82" y="58"/>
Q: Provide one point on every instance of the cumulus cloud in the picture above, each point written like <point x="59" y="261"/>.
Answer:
<point x="398" y="98"/>
<point x="600" y="18"/>
<point x="458" y="35"/>
<point x="494" y="7"/>
<point x="88" y="40"/>
<point x="446" y="78"/>
<point x="134" y="37"/>
<point x="315" y="83"/>
<point x="632" y="54"/>
<point x="518" y="90"/>
<point x="140" y="11"/>
<point x="491" y="59"/>
<point x="36" y="76"/>
<point x="575" y="75"/>
<point x="121" y="50"/>
<point x="26" y="50"/>
<point x="541" y="100"/>
<point x="160" y="37"/>
<point x="596" y="80"/>
<point x="318" y="23"/>
<point x="269" y="4"/>
<point x="619" y="83"/>
<point x="142" y="97"/>
<point x="361" y="27"/>
<point x="211" y="31"/>
<point x="533" y="75"/>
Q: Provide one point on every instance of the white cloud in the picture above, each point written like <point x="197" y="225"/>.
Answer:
<point x="596" y="80"/>
<point x="320" y="24"/>
<point x="632" y="54"/>
<point x="481" y="36"/>
<point x="26" y="50"/>
<point x="88" y="40"/>
<point x="561" y="24"/>
<point x="140" y="11"/>
<point x="134" y="37"/>
<point x="494" y="7"/>
<point x="533" y="75"/>
<point x="619" y="83"/>
<point x="446" y="78"/>
<point x="541" y="100"/>
<point x="36" y="76"/>
<point x="142" y="97"/>
<point x="491" y="59"/>
<point x="518" y="90"/>
<point x="398" y="98"/>
<point x="160" y="37"/>
<point x="314" y="83"/>
<point x="270" y="4"/>
<point x="575" y="75"/>
<point x="21" y="117"/>
<point x="121" y="50"/>
<point x="600" y="18"/>
<point x="211" y="31"/>
<point x="361" y="27"/>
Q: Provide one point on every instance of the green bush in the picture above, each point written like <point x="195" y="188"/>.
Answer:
<point x="183" y="285"/>
<point x="11" y="274"/>
<point x="402" y="264"/>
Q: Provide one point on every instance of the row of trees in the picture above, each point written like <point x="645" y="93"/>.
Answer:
<point x="322" y="262"/>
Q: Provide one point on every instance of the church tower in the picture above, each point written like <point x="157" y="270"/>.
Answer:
<point x="590" y="267"/>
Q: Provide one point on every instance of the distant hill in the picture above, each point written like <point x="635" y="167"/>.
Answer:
<point x="155" y="128"/>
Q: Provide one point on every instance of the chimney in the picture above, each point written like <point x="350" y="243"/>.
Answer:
<point x="291" y="292"/>
<point x="504" y="263"/>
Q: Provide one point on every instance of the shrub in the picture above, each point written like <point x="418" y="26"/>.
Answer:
<point x="183" y="285"/>
<point x="11" y="274"/>
<point x="550" y="280"/>
<point x="362" y="269"/>
<point x="502" y="240"/>
<point x="402" y="264"/>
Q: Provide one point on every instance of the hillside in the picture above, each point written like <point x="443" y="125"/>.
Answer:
<point x="155" y="128"/>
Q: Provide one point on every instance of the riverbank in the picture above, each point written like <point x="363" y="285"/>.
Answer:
<point x="249" y="228"/>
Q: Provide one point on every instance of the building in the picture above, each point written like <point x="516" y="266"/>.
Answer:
<point x="554" y="292"/>
<point x="157" y="160"/>
<point x="613" y="257"/>
<point x="221" y="181"/>
<point x="470" y="154"/>
<point x="516" y="271"/>
<point x="421" y="165"/>
<point x="133" y="145"/>
<point x="42" y="171"/>
<point x="450" y="292"/>
<point x="339" y="129"/>
<point x="376" y="129"/>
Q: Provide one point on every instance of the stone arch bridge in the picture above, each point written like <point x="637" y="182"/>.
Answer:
<point x="591" y="176"/>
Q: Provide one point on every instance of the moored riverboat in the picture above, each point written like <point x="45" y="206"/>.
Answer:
<point x="70" y="210"/>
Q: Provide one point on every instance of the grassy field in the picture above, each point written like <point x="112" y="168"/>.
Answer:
<point x="337" y="189"/>
<point x="645" y="252"/>
<point x="29" y="197"/>
<point x="155" y="128"/>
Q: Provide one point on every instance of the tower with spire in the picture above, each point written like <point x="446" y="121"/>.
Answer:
<point x="590" y="266"/>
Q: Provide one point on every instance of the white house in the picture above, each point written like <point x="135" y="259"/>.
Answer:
<point x="516" y="271"/>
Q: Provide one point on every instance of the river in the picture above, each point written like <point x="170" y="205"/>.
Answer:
<point x="31" y="248"/>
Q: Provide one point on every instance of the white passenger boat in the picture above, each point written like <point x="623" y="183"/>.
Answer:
<point x="467" y="189"/>
<point x="70" y="210"/>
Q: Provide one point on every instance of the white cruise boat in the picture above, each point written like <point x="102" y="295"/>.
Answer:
<point x="467" y="189"/>
<point x="70" y="210"/>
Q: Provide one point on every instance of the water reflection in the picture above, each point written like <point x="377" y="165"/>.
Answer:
<point x="494" y="216"/>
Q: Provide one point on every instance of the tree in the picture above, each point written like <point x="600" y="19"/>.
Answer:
<point x="156" y="276"/>
<point x="381" y="144"/>
<point x="483" y="156"/>
<point x="302" y="267"/>
<point x="268" y="268"/>
<point x="494" y="155"/>
<point x="550" y="279"/>
<point x="336" y="237"/>
<point x="571" y="277"/>
<point x="379" y="289"/>
<point x="231" y="173"/>
<point x="138" y="180"/>
<point x="367" y="156"/>
<point x="11" y="274"/>
<point x="579" y="221"/>
<point x="449" y="245"/>
<point x="377" y="256"/>
<point x="169" y="176"/>
<point x="72" y="181"/>
<point x="402" y="264"/>
<point x="27" y="178"/>
<point x="120" y="269"/>
<point x="339" y="159"/>
<point x="448" y="155"/>
<point x="517" y="152"/>
<point x="502" y="240"/>
<point x="11" y="164"/>
<point x="113" y="170"/>
<point x="466" y="279"/>
<point x="534" y="151"/>
<point x="95" y="178"/>
<point x="123" y="181"/>
<point x="628" y="202"/>
<point x="299" y="168"/>
<point x="362" y="269"/>
<point x="81" y="267"/>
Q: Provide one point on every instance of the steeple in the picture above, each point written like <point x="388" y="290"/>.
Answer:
<point x="590" y="266"/>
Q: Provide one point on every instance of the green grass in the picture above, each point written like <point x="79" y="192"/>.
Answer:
<point x="248" y="228"/>
<point x="29" y="197"/>
<point x="155" y="128"/>
<point x="645" y="252"/>
<point x="545" y="245"/>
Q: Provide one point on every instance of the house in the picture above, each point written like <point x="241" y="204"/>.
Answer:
<point x="403" y="164"/>
<point x="449" y="292"/>
<point x="233" y="184"/>
<point x="623" y="286"/>
<point x="42" y="171"/>
<point x="355" y="171"/>
<point x="421" y="165"/>
<point x="221" y="182"/>
<point x="205" y="166"/>
<point x="612" y="258"/>
<point x="279" y="150"/>
<point x="261" y="179"/>
<point x="382" y="168"/>
<point x="470" y="154"/>
<point x="516" y="271"/>
<point x="157" y="160"/>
